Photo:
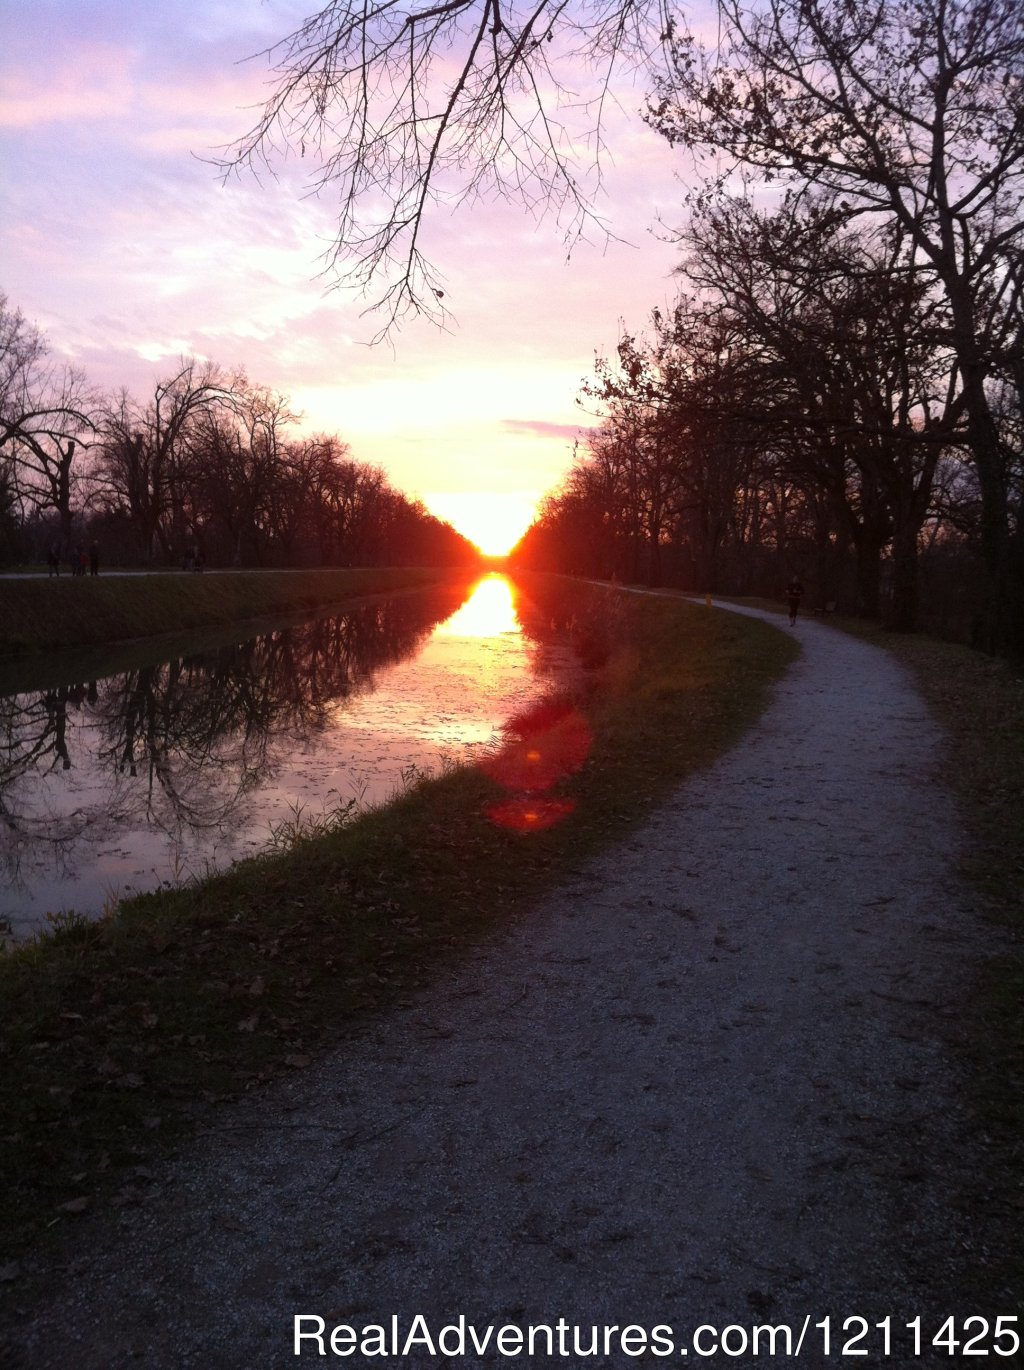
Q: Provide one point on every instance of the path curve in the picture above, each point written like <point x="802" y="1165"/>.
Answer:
<point x="705" y="1081"/>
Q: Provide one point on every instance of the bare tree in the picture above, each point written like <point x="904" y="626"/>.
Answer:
<point x="854" y="382"/>
<point x="675" y="457"/>
<point x="236" y="471"/>
<point x="404" y="108"/>
<point x="908" y="112"/>
<point x="145" y="449"/>
<point x="46" y="413"/>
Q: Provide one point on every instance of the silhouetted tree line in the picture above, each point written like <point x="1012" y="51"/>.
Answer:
<point x="838" y="390"/>
<point x="207" y="470"/>
<point x="780" y="422"/>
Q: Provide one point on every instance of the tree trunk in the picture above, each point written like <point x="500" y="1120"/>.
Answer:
<point x="999" y="626"/>
<point x="903" y="613"/>
<point x="869" y="575"/>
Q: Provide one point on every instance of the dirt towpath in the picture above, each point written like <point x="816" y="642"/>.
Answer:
<point x="705" y="1082"/>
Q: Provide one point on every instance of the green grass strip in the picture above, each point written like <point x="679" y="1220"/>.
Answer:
<point x="77" y="611"/>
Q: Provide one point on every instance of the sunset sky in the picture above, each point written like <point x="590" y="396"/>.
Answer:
<point x="118" y="240"/>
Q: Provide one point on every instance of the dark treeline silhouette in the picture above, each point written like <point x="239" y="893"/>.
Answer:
<point x="838" y="392"/>
<point x="208" y="470"/>
<point x="798" y="412"/>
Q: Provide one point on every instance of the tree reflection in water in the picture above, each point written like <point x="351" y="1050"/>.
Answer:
<point x="90" y="773"/>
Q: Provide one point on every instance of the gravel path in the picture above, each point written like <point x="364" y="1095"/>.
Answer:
<point x="706" y="1081"/>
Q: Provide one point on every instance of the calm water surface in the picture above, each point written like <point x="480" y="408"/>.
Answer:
<point x="146" y="778"/>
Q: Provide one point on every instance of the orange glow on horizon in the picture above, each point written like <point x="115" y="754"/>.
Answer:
<point x="492" y="521"/>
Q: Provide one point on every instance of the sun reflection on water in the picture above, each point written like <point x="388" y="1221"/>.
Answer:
<point x="235" y="744"/>
<point x="490" y="611"/>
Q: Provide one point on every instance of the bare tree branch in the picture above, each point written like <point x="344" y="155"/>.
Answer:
<point x="409" y="111"/>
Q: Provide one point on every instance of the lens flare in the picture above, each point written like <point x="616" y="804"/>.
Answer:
<point x="543" y="745"/>
<point x="532" y="814"/>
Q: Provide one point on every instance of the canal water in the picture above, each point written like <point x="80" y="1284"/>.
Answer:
<point x="168" y="771"/>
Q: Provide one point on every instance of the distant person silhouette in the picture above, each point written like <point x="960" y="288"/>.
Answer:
<point x="53" y="560"/>
<point x="794" y="593"/>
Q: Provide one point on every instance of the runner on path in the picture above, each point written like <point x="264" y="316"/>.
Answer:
<point x="794" y="594"/>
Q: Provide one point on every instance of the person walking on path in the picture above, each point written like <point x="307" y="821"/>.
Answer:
<point x="94" y="558"/>
<point x="53" y="560"/>
<point x="794" y="593"/>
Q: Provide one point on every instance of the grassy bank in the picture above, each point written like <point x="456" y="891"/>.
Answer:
<point x="76" y="611"/>
<point x="116" y="1037"/>
<point x="979" y="702"/>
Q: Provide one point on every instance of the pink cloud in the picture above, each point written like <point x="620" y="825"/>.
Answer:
<point x="540" y="428"/>
<point x="126" y="250"/>
<point x="177" y="115"/>
<point x="96" y="84"/>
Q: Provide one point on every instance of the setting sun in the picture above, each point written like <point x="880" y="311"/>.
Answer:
<point x="494" y="522"/>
